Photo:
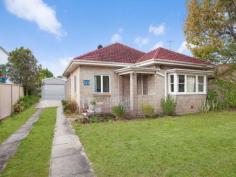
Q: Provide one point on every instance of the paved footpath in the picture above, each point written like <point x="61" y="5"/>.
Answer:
<point x="68" y="158"/>
<point x="8" y="148"/>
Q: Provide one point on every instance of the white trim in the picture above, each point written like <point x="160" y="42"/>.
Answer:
<point x="170" y="62"/>
<point x="176" y="92"/>
<point x="94" y="63"/>
<point x="160" y="74"/>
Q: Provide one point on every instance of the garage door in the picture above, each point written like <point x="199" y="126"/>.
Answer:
<point x="53" y="92"/>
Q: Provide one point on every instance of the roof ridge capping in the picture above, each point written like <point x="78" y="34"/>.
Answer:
<point x="166" y="54"/>
<point x="115" y="52"/>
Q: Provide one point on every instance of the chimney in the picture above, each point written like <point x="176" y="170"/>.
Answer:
<point x="99" y="46"/>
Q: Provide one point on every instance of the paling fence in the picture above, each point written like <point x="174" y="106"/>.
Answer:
<point x="9" y="95"/>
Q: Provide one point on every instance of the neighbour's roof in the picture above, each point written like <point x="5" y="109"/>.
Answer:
<point x="113" y="53"/>
<point x="121" y="53"/>
<point x="1" y="48"/>
<point x="161" y="53"/>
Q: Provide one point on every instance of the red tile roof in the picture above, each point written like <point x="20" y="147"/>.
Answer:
<point x="121" y="53"/>
<point x="165" y="54"/>
<point x="113" y="53"/>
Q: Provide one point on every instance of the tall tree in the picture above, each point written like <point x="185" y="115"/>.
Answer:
<point x="23" y="69"/>
<point x="210" y="30"/>
<point x="45" y="73"/>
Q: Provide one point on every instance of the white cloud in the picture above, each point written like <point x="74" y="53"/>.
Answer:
<point x="36" y="11"/>
<point x="117" y="37"/>
<point x="58" y="66"/>
<point x="157" y="30"/>
<point x="158" y="44"/>
<point x="141" y="41"/>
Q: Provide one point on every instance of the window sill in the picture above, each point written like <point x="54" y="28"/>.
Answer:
<point x="101" y="94"/>
<point x="193" y="93"/>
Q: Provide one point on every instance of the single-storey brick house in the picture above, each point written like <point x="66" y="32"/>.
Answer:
<point x="117" y="74"/>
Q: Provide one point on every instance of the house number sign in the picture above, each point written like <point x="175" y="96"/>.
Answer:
<point x="86" y="82"/>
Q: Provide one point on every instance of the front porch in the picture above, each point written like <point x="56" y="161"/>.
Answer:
<point x="136" y="87"/>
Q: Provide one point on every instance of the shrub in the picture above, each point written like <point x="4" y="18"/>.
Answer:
<point x="70" y="106"/>
<point x="148" y="110"/>
<point x="24" y="103"/>
<point x="213" y="102"/>
<point x="93" y="118"/>
<point x="225" y="91"/>
<point x="168" y="106"/>
<point x="63" y="102"/>
<point x="118" y="111"/>
<point x="18" y="107"/>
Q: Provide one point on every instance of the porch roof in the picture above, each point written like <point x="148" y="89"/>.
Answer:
<point x="191" y="71"/>
<point x="135" y="69"/>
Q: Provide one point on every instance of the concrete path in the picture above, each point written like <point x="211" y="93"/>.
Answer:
<point x="9" y="147"/>
<point x="68" y="158"/>
<point x="48" y="103"/>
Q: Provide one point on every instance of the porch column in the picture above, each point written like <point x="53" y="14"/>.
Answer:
<point x="133" y="92"/>
<point x="120" y="89"/>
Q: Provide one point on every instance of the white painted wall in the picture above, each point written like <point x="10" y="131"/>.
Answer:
<point x="3" y="57"/>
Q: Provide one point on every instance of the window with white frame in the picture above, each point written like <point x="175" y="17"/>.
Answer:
<point x="200" y="83"/>
<point x="102" y="83"/>
<point x="181" y="83"/>
<point x="172" y="84"/>
<point x="191" y="83"/>
<point x="186" y="83"/>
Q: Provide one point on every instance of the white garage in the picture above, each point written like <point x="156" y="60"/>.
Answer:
<point x="53" y="89"/>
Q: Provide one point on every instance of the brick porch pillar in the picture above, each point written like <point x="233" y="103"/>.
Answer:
<point x="133" y="93"/>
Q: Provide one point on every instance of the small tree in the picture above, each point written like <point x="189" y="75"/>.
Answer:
<point x="23" y="69"/>
<point x="45" y="73"/>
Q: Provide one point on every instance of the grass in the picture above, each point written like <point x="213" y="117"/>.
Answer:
<point x="10" y="124"/>
<point x="201" y="145"/>
<point x="32" y="158"/>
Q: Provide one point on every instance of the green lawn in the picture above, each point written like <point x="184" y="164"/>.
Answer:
<point x="202" y="145"/>
<point x="32" y="158"/>
<point x="11" y="124"/>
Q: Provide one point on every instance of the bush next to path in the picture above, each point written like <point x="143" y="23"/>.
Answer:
<point x="24" y="103"/>
<point x="32" y="158"/>
<point x="69" y="106"/>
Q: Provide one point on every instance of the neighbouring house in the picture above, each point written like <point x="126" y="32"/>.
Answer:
<point x="118" y="74"/>
<point x="53" y="89"/>
<point x="3" y="60"/>
<point x="3" y="56"/>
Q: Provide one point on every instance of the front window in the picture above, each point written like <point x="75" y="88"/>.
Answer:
<point x="181" y="83"/>
<point x="200" y="83"/>
<point x="184" y="83"/>
<point x="172" y="86"/>
<point x="102" y="84"/>
<point x="191" y="83"/>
